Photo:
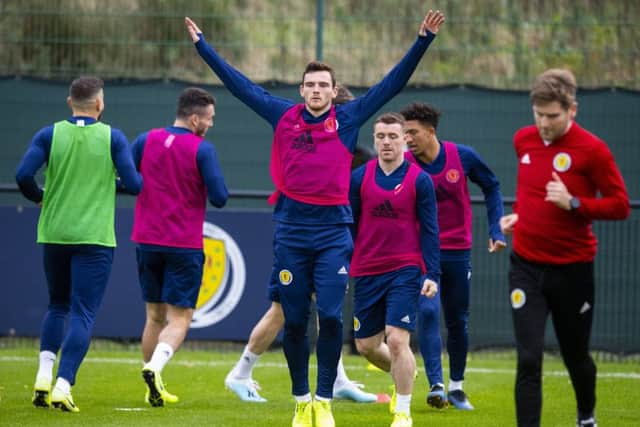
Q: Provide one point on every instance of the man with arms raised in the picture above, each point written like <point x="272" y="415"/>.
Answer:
<point x="310" y="164"/>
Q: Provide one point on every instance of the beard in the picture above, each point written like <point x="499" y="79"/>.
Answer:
<point x="201" y="131"/>
<point x="316" y="106"/>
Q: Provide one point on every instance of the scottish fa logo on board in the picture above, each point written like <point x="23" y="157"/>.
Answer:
<point x="223" y="277"/>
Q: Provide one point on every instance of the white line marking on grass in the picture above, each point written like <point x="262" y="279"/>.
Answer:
<point x="131" y="409"/>
<point x="215" y="363"/>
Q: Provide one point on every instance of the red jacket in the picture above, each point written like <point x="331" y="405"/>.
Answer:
<point x="546" y="233"/>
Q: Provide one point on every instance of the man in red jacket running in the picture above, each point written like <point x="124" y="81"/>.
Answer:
<point x="567" y="177"/>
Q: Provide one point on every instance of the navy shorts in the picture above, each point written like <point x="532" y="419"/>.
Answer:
<point x="307" y="260"/>
<point x="386" y="299"/>
<point x="170" y="277"/>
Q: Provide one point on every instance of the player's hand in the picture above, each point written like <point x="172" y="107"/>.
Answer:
<point x="508" y="222"/>
<point x="431" y="22"/>
<point x="429" y="288"/>
<point x="193" y="29"/>
<point x="496" y="245"/>
<point x="557" y="193"/>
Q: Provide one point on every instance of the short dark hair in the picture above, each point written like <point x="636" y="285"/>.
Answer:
<point x="344" y="95"/>
<point x="193" y="100"/>
<point x="314" y="66"/>
<point x="85" y="88"/>
<point x="426" y="114"/>
<point x="389" y="119"/>
<point x="555" y="84"/>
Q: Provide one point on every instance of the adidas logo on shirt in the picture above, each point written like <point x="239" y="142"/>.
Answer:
<point x="304" y="142"/>
<point x="526" y="160"/>
<point x="406" y="319"/>
<point x="343" y="270"/>
<point x="385" y="210"/>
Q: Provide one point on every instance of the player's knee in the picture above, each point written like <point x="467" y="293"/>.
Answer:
<point x="59" y="308"/>
<point x="157" y="318"/>
<point x="365" y="347"/>
<point x="397" y="343"/>
<point x="582" y="360"/>
<point x="457" y="324"/>
<point x="295" y="330"/>
<point x="330" y="325"/>
<point x="429" y="312"/>
<point x="529" y="362"/>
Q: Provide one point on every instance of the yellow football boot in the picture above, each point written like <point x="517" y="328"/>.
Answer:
<point x="400" y="419"/>
<point x="303" y="416"/>
<point x="42" y="393"/>
<point x="322" y="416"/>
<point x="156" y="394"/>
<point x="63" y="401"/>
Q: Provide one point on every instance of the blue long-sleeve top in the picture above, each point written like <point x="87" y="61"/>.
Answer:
<point x="479" y="173"/>
<point x="426" y="209"/>
<point x="350" y="117"/>
<point x="206" y="159"/>
<point x="38" y="154"/>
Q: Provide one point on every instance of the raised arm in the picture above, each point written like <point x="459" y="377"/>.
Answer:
<point x="267" y="106"/>
<point x="362" y="108"/>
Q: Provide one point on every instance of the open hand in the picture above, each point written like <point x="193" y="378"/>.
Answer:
<point x="431" y="22"/>
<point x="193" y="29"/>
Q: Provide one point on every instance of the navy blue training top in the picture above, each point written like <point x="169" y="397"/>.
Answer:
<point x="38" y="154"/>
<point x="350" y="116"/>
<point x="426" y="208"/>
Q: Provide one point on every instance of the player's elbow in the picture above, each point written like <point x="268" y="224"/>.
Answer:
<point x="624" y="210"/>
<point x="23" y="177"/>
<point x="617" y="210"/>
<point x="133" y="186"/>
<point x="217" y="203"/>
<point x="219" y="200"/>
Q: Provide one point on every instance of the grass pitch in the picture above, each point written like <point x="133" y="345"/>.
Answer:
<point x="110" y="391"/>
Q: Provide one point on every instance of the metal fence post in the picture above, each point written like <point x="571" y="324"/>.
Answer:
<point x="319" y="28"/>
